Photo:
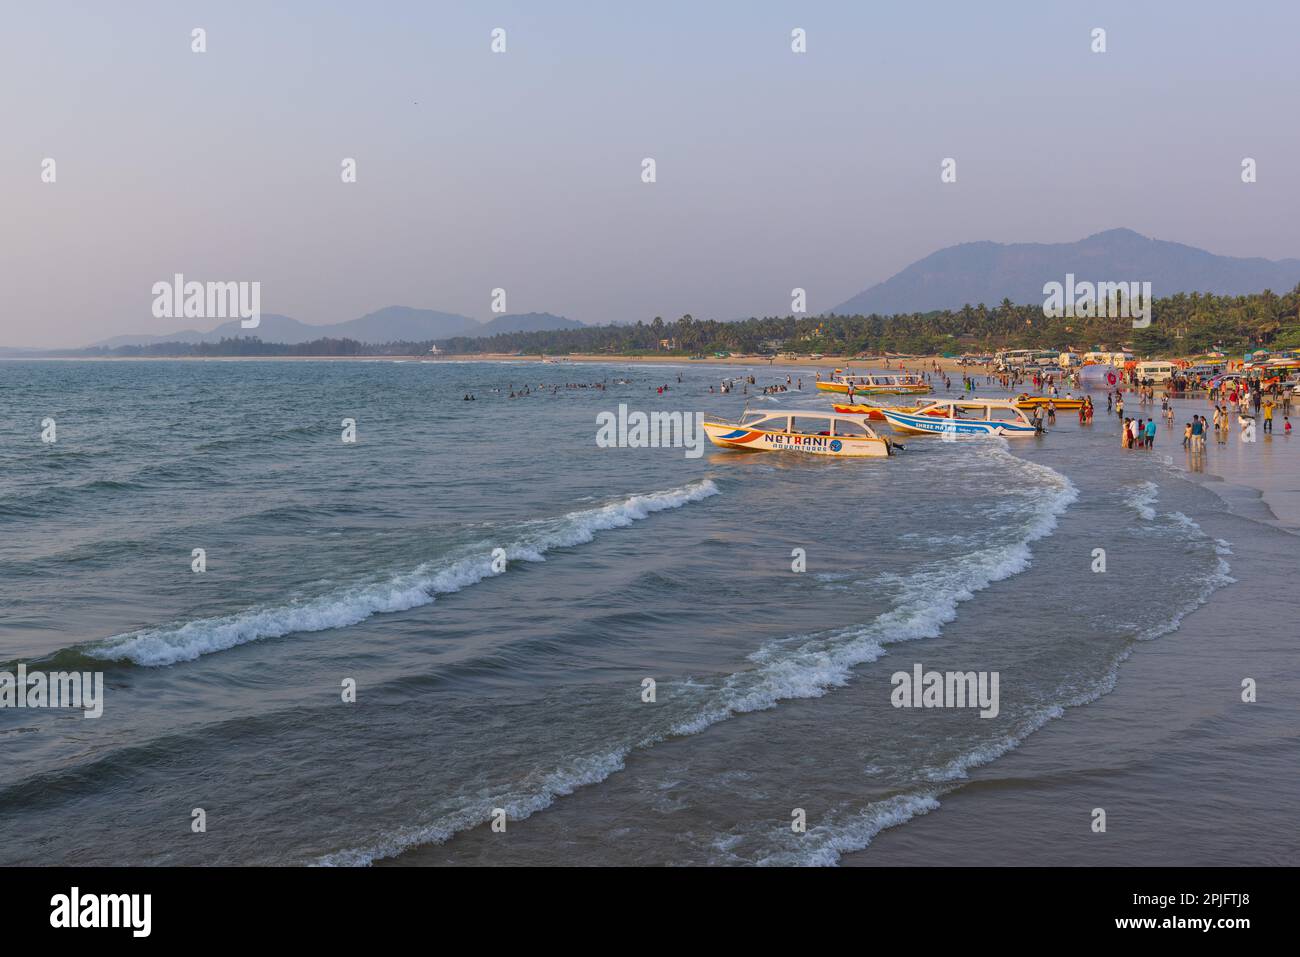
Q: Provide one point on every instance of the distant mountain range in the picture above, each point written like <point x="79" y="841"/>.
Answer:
<point x="391" y="324"/>
<point x="988" y="272"/>
<point x="523" y="322"/>
<point x="983" y="272"/>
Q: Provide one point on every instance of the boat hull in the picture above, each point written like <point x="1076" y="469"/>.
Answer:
<point x="1062" y="405"/>
<point x="840" y="387"/>
<point x="876" y="412"/>
<point x="727" y="436"/>
<point x="940" y="425"/>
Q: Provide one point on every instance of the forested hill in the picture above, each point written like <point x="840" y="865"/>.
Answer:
<point x="1180" y="323"/>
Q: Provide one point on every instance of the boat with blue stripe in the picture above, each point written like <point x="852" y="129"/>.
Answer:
<point x="950" y="418"/>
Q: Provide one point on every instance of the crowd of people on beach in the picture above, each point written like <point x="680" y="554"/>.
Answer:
<point x="1246" y="398"/>
<point x="1245" y="401"/>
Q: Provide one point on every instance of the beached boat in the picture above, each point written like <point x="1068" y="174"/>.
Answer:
<point x="963" y="417"/>
<point x="798" y="430"/>
<point x="1063" y="403"/>
<point x="876" y="383"/>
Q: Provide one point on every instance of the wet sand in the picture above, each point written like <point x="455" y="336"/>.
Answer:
<point x="1182" y="767"/>
<point x="1270" y="466"/>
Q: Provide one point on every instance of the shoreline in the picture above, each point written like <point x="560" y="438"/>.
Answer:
<point x="1268" y="467"/>
<point x="829" y="363"/>
<point x="1170" y="753"/>
<point x="1032" y="806"/>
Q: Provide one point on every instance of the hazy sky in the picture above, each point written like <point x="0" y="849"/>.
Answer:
<point x="522" y="170"/>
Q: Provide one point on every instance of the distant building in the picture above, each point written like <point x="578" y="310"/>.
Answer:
<point x="435" y="351"/>
<point x="668" y="344"/>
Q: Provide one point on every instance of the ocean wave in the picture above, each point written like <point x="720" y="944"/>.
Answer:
<point x="535" y="795"/>
<point x="928" y="601"/>
<point x="41" y="500"/>
<point x="355" y="603"/>
<point x="824" y="844"/>
<point x="34" y="502"/>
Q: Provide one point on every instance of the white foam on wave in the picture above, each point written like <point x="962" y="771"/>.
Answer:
<point x="1141" y="498"/>
<point x="825" y="844"/>
<point x="355" y="603"/>
<point x="535" y="794"/>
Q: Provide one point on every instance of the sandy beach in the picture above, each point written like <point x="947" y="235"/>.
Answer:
<point x="827" y="363"/>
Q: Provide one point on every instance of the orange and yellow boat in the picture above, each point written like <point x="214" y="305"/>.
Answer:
<point x="876" y="412"/>
<point x="876" y="383"/>
<point x="1067" y="403"/>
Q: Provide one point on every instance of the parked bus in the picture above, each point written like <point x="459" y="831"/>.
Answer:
<point x="1014" y="358"/>
<point x="1158" y="370"/>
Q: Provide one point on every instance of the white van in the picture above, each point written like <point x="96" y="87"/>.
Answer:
<point x="1157" y="370"/>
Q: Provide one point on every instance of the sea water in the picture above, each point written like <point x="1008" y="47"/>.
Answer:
<point x="496" y="588"/>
